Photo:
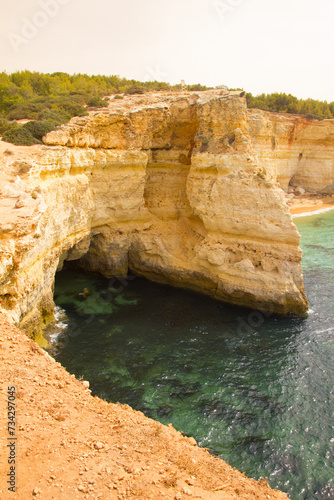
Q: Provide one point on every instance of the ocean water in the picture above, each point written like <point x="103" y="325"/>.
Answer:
<point x="256" y="389"/>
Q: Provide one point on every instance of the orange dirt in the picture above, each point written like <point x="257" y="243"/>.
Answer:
<point x="71" y="445"/>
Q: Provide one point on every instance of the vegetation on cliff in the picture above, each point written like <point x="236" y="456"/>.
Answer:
<point x="287" y="103"/>
<point x="53" y="99"/>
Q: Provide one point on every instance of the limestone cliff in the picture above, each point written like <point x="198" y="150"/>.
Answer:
<point x="169" y="186"/>
<point x="295" y="150"/>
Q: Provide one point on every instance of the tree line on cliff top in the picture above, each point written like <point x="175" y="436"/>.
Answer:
<point x="287" y="103"/>
<point x="48" y="100"/>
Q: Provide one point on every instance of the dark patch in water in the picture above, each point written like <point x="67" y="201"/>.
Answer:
<point x="253" y="445"/>
<point x="181" y="390"/>
<point x="164" y="411"/>
<point x="319" y="222"/>
<point x="320" y="247"/>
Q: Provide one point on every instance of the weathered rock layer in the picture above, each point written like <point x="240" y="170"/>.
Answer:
<point x="295" y="150"/>
<point x="170" y="186"/>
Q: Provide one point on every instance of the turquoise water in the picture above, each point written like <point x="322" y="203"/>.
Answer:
<point x="257" y="390"/>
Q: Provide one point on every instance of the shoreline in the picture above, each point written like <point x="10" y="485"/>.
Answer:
<point x="307" y="206"/>
<point x="310" y="211"/>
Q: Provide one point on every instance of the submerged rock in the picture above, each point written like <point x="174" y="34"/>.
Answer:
<point x="84" y="294"/>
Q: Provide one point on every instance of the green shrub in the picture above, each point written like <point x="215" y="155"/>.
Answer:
<point x="4" y="125"/>
<point x="198" y="87"/>
<point x="161" y="86"/>
<point x="310" y="116"/>
<point x="63" y="107"/>
<point x="97" y="102"/>
<point x="80" y="97"/>
<point x="135" y="89"/>
<point x="25" y="110"/>
<point x="29" y="133"/>
<point x="52" y="115"/>
<point x="20" y="137"/>
<point x="283" y="103"/>
<point x="118" y="96"/>
<point x="38" y="129"/>
<point x="72" y="108"/>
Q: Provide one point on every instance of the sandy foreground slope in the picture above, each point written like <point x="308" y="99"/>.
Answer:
<point x="72" y="445"/>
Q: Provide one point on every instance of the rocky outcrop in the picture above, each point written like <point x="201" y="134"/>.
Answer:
<point x="295" y="150"/>
<point x="168" y="186"/>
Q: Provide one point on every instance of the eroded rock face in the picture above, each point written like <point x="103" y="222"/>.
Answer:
<point x="295" y="150"/>
<point x="167" y="186"/>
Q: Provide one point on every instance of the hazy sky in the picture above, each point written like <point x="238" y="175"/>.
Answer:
<point x="258" y="45"/>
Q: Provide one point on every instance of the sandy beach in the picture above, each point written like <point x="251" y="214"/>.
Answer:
<point x="305" y="205"/>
